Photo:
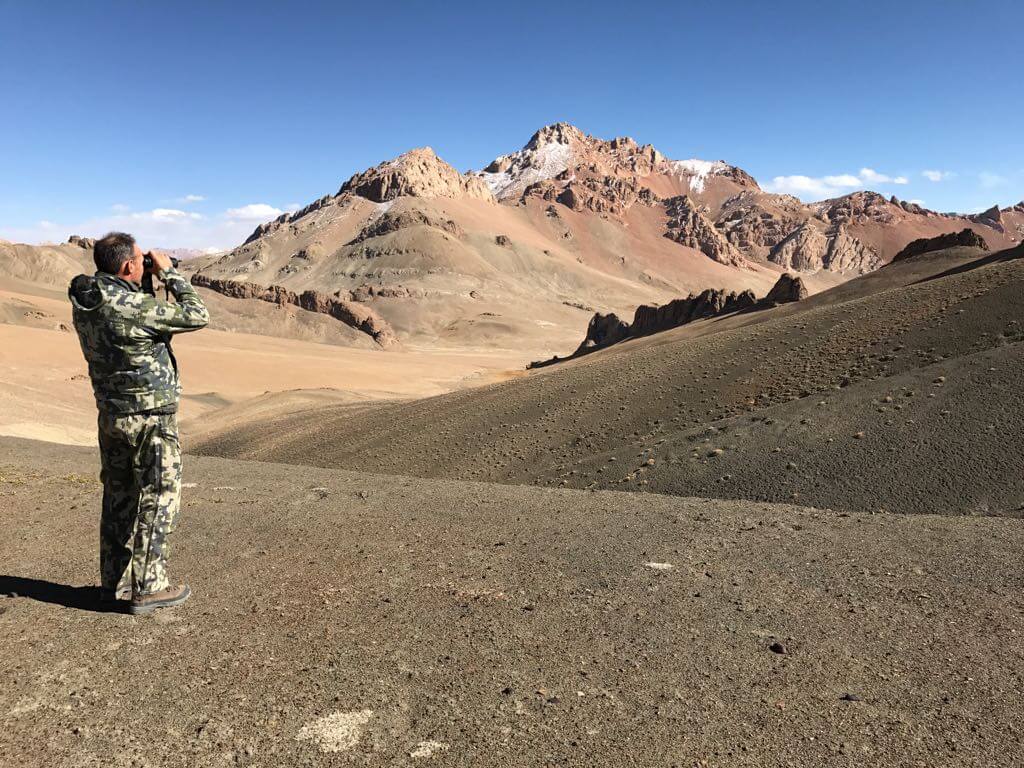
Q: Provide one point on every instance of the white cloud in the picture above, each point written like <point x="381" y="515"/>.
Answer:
<point x="120" y="208"/>
<point x="192" y="198"/>
<point x="937" y="175"/>
<point x="843" y="180"/>
<point x="166" y="213"/>
<point x="292" y="207"/>
<point x="871" y="176"/>
<point x="46" y="224"/>
<point x="917" y="201"/>
<point x="253" y="212"/>
<point x="989" y="180"/>
<point x="819" y="187"/>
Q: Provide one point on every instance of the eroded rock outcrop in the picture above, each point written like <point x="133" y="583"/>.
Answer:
<point x="857" y="208"/>
<point x="417" y="173"/>
<point x="602" y="331"/>
<point x="965" y="237"/>
<point x="392" y="222"/>
<point x="708" y="303"/>
<point x="751" y="227"/>
<point x="82" y="242"/>
<point x="809" y="249"/>
<point x="991" y="218"/>
<point x="788" y="288"/>
<point x="605" y="330"/>
<point x="605" y="194"/>
<point x="690" y="226"/>
<point x="352" y="313"/>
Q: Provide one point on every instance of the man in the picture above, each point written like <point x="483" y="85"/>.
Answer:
<point x="125" y="334"/>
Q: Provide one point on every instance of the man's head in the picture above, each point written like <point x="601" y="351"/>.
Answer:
<point x="118" y="254"/>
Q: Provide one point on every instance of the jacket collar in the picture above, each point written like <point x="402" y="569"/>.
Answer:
<point x="128" y="285"/>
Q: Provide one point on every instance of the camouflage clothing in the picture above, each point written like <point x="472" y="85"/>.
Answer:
<point x="141" y="475"/>
<point x="125" y="335"/>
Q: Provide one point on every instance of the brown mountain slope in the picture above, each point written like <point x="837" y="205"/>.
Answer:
<point x="635" y="415"/>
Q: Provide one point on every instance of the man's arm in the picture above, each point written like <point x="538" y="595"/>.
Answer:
<point x="188" y="313"/>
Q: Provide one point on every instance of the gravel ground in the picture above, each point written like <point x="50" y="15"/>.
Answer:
<point x="342" y="618"/>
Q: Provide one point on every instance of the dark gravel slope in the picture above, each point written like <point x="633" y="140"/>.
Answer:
<point x="882" y="336"/>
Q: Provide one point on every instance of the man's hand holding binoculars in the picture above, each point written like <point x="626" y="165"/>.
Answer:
<point x="154" y="261"/>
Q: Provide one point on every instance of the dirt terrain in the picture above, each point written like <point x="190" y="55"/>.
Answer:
<point x="342" y="618"/>
<point x="895" y="391"/>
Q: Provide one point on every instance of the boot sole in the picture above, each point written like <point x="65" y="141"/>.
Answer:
<point x="170" y="602"/>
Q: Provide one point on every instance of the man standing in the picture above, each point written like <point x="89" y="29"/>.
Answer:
<point x="125" y="334"/>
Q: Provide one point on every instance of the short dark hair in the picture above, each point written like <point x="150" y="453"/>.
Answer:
<point x="113" y="250"/>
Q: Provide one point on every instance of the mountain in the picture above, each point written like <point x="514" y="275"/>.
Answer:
<point x="521" y="253"/>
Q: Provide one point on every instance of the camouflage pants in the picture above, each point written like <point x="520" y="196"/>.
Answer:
<point x="141" y="475"/>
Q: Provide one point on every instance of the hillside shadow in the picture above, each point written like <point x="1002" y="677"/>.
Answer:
<point x="1009" y="254"/>
<point x="81" y="598"/>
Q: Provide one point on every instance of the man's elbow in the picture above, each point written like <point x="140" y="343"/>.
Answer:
<point x="198" y="318"/>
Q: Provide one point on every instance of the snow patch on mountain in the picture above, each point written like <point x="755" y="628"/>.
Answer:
<point x="696" y="171"/>
<point x="526" y="167"/>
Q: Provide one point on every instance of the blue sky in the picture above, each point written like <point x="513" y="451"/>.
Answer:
<point x="189" y="123"/>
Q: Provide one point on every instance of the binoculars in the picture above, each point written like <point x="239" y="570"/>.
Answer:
<point x="147" y="262"/>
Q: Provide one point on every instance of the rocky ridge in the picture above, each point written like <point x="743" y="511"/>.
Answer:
<point x="689" y="225"/>
<point x="965" y="237"/>
<point x="605" y="330"/>
<point x="348" y="311"/>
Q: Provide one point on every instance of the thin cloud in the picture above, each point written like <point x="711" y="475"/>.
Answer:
<point x="253" y="212"/>
<point x="189" y="199"/>
<point x="934" y="175"/>
<point x="166" y="213"/>
<point x="991" y="180"/>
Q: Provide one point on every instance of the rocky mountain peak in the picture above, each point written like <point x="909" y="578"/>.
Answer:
<point x="556" y="133"/>
<point x="417" y="173"/>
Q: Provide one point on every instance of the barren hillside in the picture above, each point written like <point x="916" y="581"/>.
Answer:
<point x="895" y="391"/>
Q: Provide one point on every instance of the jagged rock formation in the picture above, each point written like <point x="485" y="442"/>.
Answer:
<point x="857" y="208"/>
<point x="689" y="226"/>
<point x="417" y="173"/>
<point x="990" y="218"/>
<point x="604" y="195"/>
<point x="602" y="331"/>
<point x="347" y="311"/>
<point x="709" y="303"/>
<point x="809" y="249"/>
<point x="788" y="289"/>
<point x="87" y="243"/>
<point x="752" y="226"/>
<point x="392" y="222"/>
<point x="605" y="330"/>
<point x="965" y="237"/>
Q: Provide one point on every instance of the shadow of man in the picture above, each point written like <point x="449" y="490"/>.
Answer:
<point x="82" y="598"/>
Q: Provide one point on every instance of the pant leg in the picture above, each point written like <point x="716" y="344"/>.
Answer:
<point x="120" y="504"/>
<point x="158" y="474"/>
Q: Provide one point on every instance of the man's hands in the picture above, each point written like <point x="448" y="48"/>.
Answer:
<point x="160" y="261"/>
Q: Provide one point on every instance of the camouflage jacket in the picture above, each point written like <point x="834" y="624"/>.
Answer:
<point x="125" y="335"/>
